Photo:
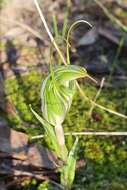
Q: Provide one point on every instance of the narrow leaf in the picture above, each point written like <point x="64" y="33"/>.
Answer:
<point x="68" y="171"/>
<point x="49" y="132"/>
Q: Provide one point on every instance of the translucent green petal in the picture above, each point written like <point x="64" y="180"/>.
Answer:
<point x="57" y="93"/>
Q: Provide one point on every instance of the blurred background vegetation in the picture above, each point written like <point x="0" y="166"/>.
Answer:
<point x="102" y="50"/>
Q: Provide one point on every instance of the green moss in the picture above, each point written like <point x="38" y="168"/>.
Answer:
<point x="106" y="157"/>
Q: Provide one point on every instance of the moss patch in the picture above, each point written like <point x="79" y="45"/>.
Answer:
<point x="106" y="166"/>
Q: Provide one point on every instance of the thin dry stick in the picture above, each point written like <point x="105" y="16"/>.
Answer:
<point x="64" y="61"/>
<point x="37" y="176"/>
<point x="97" y="95"/>
<point x="22" y="25"/>
<point x="87" y="134"/>
<point x="48" y="31"/>
<point x="110" y="16"/>
<point x="98" y="105"/>
<point x="98" y="133"/>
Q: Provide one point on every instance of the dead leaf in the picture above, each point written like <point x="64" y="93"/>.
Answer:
<point x="17" y="152"/>
<point x="11" y="141"/>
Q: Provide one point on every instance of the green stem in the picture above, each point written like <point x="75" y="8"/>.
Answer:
<point x="68" y="36"/>
<point x="61" y="141"/>
<point x="48" y="32"/>
<point x="55" y="27"/>
<point x="114" y="64"/>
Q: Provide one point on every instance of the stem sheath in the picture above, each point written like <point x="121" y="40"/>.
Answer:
<point x="61" y="141"/>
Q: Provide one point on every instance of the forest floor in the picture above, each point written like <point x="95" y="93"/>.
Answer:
<point x="24" y="62"/>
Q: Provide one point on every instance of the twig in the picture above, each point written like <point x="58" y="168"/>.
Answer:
<point x="64" y="61"/>
<point x="98" y="105"/>
<point x="22" y="25"/>
<point x="110" y="16"/>
<point x="98" y="133"/>
<point x="97" y="95"/>
<point x="20" y="173"/>
<point x="87" y="134"/>
<point x="48" y="31"/>
<point x="37" y="176"/>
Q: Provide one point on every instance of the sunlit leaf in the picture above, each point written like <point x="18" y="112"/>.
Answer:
<point x="68" y="171"/>
<point x="49" y="132"/>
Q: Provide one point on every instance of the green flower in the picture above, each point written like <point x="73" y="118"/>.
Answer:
<point x="57" y="92"/>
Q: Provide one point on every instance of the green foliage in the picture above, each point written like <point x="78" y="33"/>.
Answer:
<point x="49" y="132"/>
<point x="56" y="95"/>
<point x="93" y="151"/>
<point x="3" y="3"/>
<point x="106" y="158"/>
<point x="33" y="184"/>
<point x="46" y="186"/>
<point x="22" y="91"/>
<point x="68" y="170"/>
